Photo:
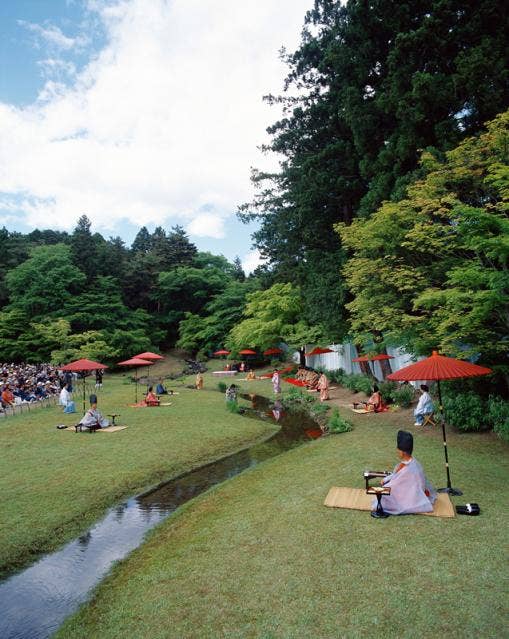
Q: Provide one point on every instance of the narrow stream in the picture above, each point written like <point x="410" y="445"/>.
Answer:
<point x="34" y="602"/>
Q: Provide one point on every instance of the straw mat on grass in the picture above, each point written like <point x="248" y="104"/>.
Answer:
<point x="357" y="499"/>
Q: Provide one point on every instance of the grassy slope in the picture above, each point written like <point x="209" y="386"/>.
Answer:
<point x="53" y="484"/>
<point x="259" y="556"/>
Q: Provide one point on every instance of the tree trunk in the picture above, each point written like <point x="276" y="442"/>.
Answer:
<point x="365" y="367"/>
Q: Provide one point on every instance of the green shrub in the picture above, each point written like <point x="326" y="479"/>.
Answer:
<point x="338" y="424"/>
<point x="403" y="396"/>
<point x="297" y="397"/>
<point x="466" y="411"/>
<point x="387" y="390"/>
<point x="336" y="375"/>
<point x="358" y="383"/>
<point x="319" y="408"/>
<point x="232" y="406"/>
<point x="222" y="387"/>
<point x="498" y="414"/>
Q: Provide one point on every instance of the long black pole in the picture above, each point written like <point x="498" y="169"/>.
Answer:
<point x="136" y="385"/>
<point x="83" y="373"/>
<point x="449" y="489"/>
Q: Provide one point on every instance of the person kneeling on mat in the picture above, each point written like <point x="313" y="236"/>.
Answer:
<point x="410" y="490"/>
<point x="93" y="418"/>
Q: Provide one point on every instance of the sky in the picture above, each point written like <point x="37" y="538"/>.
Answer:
<point x="139" y="112"/>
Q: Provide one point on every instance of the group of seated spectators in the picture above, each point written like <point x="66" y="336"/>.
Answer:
<point x="308" y="376"/>
<point x="27" y="383"/>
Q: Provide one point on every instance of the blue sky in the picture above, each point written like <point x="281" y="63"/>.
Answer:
<point x="139" y="112"/>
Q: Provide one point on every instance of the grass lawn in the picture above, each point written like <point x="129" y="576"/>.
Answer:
<point x="260" y="556"/>
<point x="54" y="484"/>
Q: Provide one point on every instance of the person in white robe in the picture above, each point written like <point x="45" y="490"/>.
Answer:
<point x="65" y="400"/>
<point x="410" y="490"/>
<point x="424" y="406"/>
<point x="93" y="417"/>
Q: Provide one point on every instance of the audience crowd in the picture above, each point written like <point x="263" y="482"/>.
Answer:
<point x="27" y="383"/>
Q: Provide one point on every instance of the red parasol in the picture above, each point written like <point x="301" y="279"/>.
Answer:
<point x="380" y="357"/>
<point x="80" y="366"/>
<point x="247" y="351"/>
<point x="361" y="358"/>
<point x="149" y="355"/>
<point x="273" y="351"/>
<point x="135" y="361"/>
<point x="319" y="351"/>
<point x="436" y="368"/>
<point x="222" y="352"/>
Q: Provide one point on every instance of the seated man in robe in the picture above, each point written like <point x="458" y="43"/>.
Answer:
<point x="424" y="406"/>
<point x="160" y="388"/>
<point x="250" y="375"/>
<point x="93" y="418"/>
<point x="410" y="490"/>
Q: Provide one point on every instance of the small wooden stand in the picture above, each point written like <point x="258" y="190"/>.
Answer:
<point x="379" y="513"/>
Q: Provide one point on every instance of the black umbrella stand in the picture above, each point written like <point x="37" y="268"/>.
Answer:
<point x="449" y="489"/>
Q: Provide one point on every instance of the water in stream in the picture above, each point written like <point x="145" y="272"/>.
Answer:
<point x="34" y="602"/>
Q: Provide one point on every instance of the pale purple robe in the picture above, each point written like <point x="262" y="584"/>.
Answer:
<point x="276" y="383"/>
<point x="408" y="487"/>
<point x="93" y="417"/>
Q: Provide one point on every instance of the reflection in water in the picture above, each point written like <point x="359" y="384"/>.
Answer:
<point x="33" y="603"/>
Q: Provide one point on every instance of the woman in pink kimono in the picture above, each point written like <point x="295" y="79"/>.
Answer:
<point x="323" y="387"/>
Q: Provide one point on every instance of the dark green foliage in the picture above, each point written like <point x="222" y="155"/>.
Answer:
<point x="387" y="390"/>
<point x="232" y="406"/>
<point x="371" y="85"/>
<point x="358" y="383"/>
<point x="336" y="375"/>
<point x="403" y="396"/>
<point x="295" y="397"/>
<point x="84" y="248"/>
<point x="222" y="387"/>
<point x="431" y="270"/>
<point x="466" y="411"/>
<point x="44" y="282"/>
<point x="337" y="423"/>
<point x="498" y="413"/>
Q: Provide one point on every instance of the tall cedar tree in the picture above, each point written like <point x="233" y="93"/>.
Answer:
<point x="376" y="82"/>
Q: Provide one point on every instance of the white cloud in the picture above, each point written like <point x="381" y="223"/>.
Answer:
<point x="163" y="124"/>
<point x="52" y="35"/>
<point x="207" y="225"/>
<point x="251" y="260"/>
<point x="55" y="66"/>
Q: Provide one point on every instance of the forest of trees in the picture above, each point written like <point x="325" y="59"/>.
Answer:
<point x="386" y="222"/>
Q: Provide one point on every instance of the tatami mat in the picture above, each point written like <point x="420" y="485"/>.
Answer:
<point x="357" y="499"/>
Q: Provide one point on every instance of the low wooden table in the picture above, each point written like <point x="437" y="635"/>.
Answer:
<point x="379" y="513"/>
<point x="113" y="417"/>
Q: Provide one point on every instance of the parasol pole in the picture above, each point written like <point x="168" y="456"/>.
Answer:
<point x="84" y="391"/>
<point x="136" y="385"/>
<point x="449" y="489"/>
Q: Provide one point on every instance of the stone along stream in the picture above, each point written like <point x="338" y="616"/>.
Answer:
<point x="35" y="601"/>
